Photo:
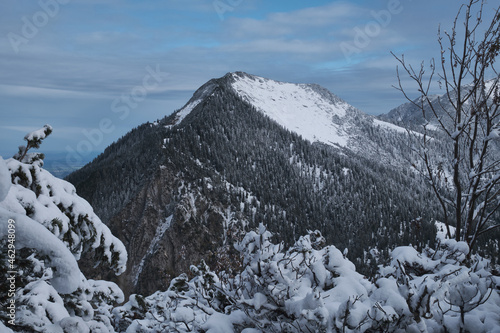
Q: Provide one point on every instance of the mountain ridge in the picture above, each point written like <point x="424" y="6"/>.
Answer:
<point x="410" y="115"/>
<point x="326" y="108"/>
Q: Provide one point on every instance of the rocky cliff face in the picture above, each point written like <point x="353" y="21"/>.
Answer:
<point x="168" y="225"/>
<point x="165" y="231"/>
<point x="184" y="188"/>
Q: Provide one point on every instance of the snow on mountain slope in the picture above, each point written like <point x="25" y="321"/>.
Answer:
<point x="198" y="97"/>
<point x="297" y="107"/>
<point x="182" y="113"/>
<point x="390" y="126"/>
<point x="307" y="109"/>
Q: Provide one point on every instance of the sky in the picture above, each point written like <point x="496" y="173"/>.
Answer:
<point x="95" y="69"/>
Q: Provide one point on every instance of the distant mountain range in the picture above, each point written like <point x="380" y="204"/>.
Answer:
<point x="410" y="115"/>
<point x="245" y="150"/>
<point x="60" y="165"/>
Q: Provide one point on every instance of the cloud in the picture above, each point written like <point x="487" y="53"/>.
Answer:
<point x="96" y="50"/>
<point x="23" y="129"/>
<point x="296" y="23"/>
<point x="310" y="24"/>
<point x="106" y="37"/>
<point x="22" y="91"/>
<point x="267" y="46"/>
<point x="319" y="34"/>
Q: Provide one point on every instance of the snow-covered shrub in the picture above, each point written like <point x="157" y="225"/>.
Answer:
<point x="33" y="140"/>
<point x="52" y="227"/>
<point x="49" y="285"/>
<point x="308" y="288"/>
<point x="184" y="307"/>
<point x="437" y="290"/>
<point x="54" y="203"/>
<point x="313" y="288"/>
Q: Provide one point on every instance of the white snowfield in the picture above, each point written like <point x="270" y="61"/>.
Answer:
<point x="296" y="107"/>
<point x="390" y="126"/>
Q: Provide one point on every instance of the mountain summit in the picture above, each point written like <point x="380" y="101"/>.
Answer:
<point x="309" y="110"/>
<point x="246" y="150"/>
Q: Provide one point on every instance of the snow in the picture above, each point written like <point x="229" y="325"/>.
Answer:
<point x="316" y="115"/>
<point x="40" y="305"/>
<point x="30" y="234"/>
<point x="433" y="127"/>
<point x="160" y="231"/>
<point x="182" y="113"/>
<point x="297" y="107"/>
<point x="218" y="323"/>
<point x="441" y="231"/>
<point x="38" y="134"/>
<point x="74" y="325"/>
<point x="4" y="179"/>
<point x="183" y="315"/>
<point x="410" y="256"/>
<point x="390" y="126"/>
<point x="488" y="85"/>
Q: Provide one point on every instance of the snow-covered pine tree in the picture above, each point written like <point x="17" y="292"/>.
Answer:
<point x="33" y="140"/>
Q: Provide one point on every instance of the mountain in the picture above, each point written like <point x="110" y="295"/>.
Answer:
<point x="311" y="111"/>
<point x="246" y="150"/>
<point x="410" y="114"/>
<point x="407" y="113"/>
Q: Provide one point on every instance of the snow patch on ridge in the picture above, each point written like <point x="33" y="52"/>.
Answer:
<point x="182" y="113"/>
<point x="390" y="126"/>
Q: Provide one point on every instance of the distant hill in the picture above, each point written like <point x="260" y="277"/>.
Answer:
<point x="58" y="163"/>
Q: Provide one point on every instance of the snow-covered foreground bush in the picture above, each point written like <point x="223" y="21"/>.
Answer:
<point x="314" y="288"/>
<point x="46" y="227"/>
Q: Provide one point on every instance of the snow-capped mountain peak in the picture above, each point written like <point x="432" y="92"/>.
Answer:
<point x="306" y="109"/>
